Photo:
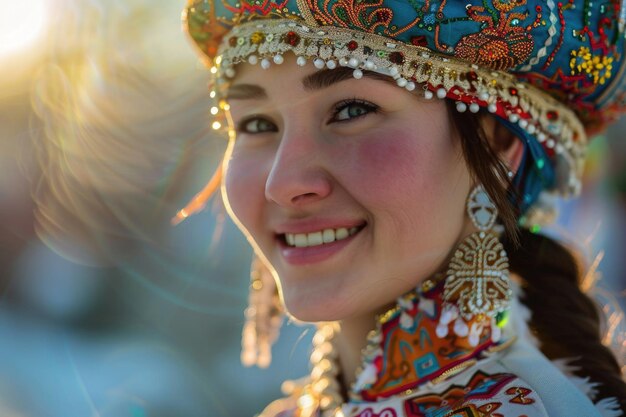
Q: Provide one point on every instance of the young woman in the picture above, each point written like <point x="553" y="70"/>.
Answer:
<point x="385" y="160"/>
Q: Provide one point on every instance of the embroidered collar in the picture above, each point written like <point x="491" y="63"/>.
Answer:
<point x="412" y="345"/>
<point x="405" y="352"/>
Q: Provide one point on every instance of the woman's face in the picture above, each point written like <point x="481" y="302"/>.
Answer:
<point x="371" y="169"/>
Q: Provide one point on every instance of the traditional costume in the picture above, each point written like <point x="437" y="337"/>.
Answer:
<point x="552" y="73"/>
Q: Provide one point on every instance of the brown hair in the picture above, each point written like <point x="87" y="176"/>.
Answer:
<point x="564" y="319"/>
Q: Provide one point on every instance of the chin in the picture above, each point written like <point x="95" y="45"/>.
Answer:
<point x="311" y="309"/>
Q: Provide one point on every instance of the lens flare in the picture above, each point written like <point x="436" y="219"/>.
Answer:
<point x="21" y="23"/>
<point x="120" y="135"/>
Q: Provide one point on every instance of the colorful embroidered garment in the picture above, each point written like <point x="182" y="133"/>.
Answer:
<point x="413" y="372"/>
<point x="551" y="71"/>
<point x="409" y="349"/>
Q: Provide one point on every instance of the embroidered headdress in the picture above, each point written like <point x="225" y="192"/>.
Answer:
<point x="551" y="71"/>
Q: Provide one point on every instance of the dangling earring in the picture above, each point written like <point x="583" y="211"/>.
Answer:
<point x="477" y="286"/>
<point x="264" y="316"/>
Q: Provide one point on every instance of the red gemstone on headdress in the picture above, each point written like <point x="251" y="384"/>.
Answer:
<point x="419" y="40"/>
<point x="513" y="91"/>
<point x="352" y="45"/>
<point x="552" y="115"/>
<point x="292" y="38"/>
<point x="397" y="58"/>
<point x="472" y="76"/>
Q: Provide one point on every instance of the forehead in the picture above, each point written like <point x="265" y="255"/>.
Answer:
<point x="253" y="82"/>
<point x="246" y="72"/>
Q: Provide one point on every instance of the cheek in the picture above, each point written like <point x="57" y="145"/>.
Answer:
<point x="400" y="165"/>
<point x="388" y="164"/>
<point x="245" y="190"/>
<point x="413" y="185"/>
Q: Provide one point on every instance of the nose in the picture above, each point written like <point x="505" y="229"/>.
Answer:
<point x="297" y="176"/>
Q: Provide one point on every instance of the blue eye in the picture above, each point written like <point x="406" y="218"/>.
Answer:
<point x="351" y="109"/>
<point x="255" y="125"/>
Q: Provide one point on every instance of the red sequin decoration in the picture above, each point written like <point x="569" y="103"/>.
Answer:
<point x="292" y="38"/>
<point x="397" y="58"/>
<point x="352" y="45"/>
<point x="419" y="41"/>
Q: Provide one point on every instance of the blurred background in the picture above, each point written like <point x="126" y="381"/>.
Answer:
<point x="108" y="310"/>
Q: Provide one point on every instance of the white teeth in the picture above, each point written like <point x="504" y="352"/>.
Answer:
<point x="302" y="240"/>
<point x="341" y="233"/>
<point x="315" y="238"/>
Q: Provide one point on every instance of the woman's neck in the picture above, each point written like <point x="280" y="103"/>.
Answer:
<point x="351" y="340"/>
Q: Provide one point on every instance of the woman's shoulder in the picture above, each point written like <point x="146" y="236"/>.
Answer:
<point x="487" y="389"/>
<point x="556" y="390"/>
<point x="501" y="386"/>
<point x="481" y="392"/>
<point x="517" y="382"/>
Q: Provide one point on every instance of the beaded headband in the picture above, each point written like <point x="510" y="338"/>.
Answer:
<point x="552" y="73"/>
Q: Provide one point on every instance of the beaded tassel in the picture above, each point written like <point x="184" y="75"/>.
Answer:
<point x="264" y="317"/>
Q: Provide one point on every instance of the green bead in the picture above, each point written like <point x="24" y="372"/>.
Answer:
<point x="541" y="163"/>
<point x="502" y="318"/>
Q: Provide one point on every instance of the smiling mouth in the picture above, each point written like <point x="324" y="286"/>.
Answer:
<point x="322" y="237"/>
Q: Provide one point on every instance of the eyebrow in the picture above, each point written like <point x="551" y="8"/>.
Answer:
<point x="317" y="81"/>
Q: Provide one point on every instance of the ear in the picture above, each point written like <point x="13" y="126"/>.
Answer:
<point x="505" y="144"/>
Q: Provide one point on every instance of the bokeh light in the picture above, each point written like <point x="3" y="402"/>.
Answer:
<point x="21" y="23"/>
